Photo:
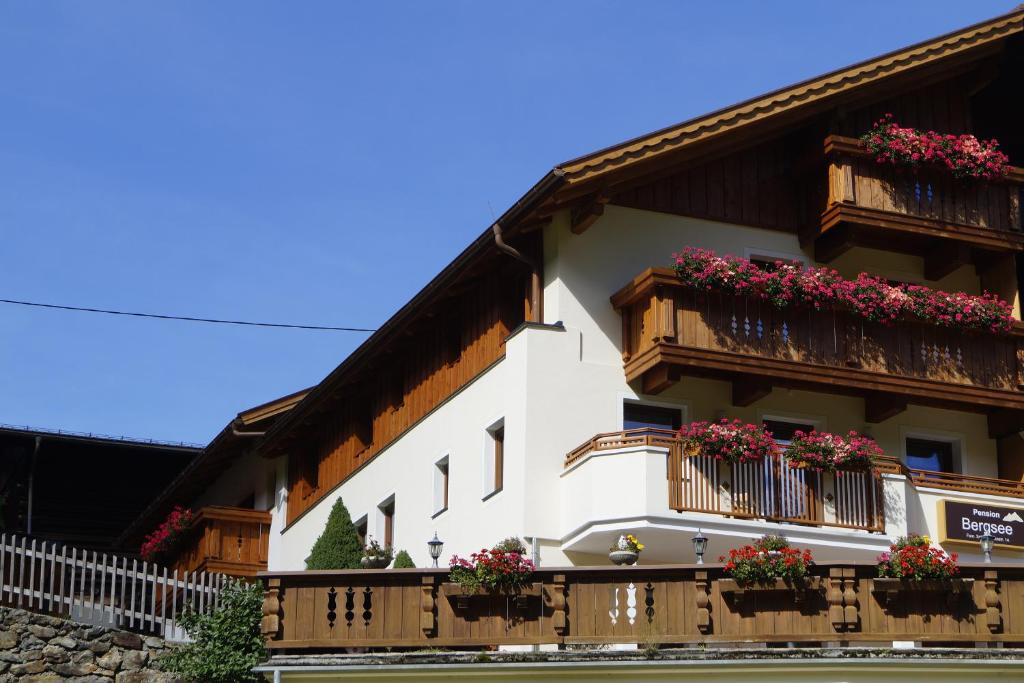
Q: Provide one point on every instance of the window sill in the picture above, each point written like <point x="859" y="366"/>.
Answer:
<point x="439" y="513"/>
<point x="492" y="494"/>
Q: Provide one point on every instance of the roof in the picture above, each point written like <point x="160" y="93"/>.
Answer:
<point x="800" y="95"/>
<point x="572" y="180"/>
<point x="225" y="448"/>
<point x="98" y="439"/>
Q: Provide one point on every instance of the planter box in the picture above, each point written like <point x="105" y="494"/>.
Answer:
<point x="454" y="591"/>
<point x="888" y="590"/>
<point x="738" y="592"/>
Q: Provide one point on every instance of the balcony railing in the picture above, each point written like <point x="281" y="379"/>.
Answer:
<point x="897" y="208"/>
<point x="769" y="490"/>
<point x="667" y="604"/>
<point x="226" y="540"/>
<point x="670" y="330"/>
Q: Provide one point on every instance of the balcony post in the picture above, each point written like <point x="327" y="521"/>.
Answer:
<point x="703" y="586"/>
<point x="556" y="599"/>
<point x="993" y="605"/>
<point x="428" y="605"/>
<point x="270" y="625"/>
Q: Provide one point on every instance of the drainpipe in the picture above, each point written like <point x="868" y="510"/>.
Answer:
<point x="31" y="483"/>
<point x="535" y="284"/>
<point x="234" y="430"/>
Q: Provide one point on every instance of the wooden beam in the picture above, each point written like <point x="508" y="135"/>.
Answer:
<point x="880" y="407"/>
<point x="833" y="244"/>
<point x="659" y="378"/>
<point x="587" y="213"/>
<point x="944" y="258"/>
<point x="1004" y="422"/>
<point x="747" y="390"/>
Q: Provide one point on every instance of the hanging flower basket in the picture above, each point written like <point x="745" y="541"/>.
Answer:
<point x="731" y="441"/>
<point x="827" y="452"/>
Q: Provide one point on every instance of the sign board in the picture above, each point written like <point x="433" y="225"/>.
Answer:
<point x="965" y="523"/>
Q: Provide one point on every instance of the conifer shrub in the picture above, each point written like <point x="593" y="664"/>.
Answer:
<point x="403" y="561"/>
<point x="338" y="546"/>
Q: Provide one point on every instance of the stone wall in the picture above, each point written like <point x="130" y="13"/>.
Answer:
<point x="36" y="648"/>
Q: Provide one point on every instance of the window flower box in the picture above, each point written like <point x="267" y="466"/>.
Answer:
<point x="462" y="596"/>
<point x="891" y="591"/>
<point x="738" y="592"/>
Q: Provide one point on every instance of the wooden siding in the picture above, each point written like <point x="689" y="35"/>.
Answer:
<point x="669" y="604"/>
<point x="464" y="337"/>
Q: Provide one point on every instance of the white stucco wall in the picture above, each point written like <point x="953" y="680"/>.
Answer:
<point x="559" y="386"/>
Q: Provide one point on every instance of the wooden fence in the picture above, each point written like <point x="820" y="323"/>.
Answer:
<point x="667" y="604"/>
<point x="101" y="588"/>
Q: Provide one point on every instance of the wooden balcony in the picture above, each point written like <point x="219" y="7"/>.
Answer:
<point x="670" y="331"/>
<point x="950" y="222"/>
<point x="666" y="604"/>
<point x="226" y="540"/>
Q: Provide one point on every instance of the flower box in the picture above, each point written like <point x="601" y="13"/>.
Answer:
<point x="738" y="592"/>
<point x="888" y="590"/>
<point x="462" y="596"/>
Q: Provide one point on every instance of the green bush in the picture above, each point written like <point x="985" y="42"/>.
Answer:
<point x="338" y="546"/>
<point x="226" y="643"/>
<point x="403" y="561"/>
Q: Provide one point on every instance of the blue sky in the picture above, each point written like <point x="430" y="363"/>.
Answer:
<point x="319" y="162"/>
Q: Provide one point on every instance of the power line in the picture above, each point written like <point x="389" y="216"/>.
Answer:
<point x="186" y="318"/>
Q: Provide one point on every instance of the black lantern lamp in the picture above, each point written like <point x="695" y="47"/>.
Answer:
<point x="700" y="544"/>
<point x="435" y="545"/>
<point x="987" y="542"/>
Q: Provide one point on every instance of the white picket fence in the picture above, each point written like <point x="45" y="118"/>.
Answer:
<point x="101" y="588"/>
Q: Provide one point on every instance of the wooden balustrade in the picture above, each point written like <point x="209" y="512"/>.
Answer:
<point x="667" y="604"/>
<point x="226" y="540"/>
<point x="669" y="330"/>
<point x="887" y="206"/>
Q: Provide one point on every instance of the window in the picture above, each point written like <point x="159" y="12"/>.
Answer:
<point x="494" y="459"/>
<point x="930" y="455"/>
<point x="387" y="521"/>
<point x="361" y="530"/>
<point x="639" y="415"/>
<point x="783" y="430"/>
<point x="441" y="485"/>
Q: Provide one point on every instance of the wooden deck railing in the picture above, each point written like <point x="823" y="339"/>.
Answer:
<point x="869" y="193"/>
<point x="677" y="604"/>
<point x="100" y="588"/>
<point x="232" y="541"/>
<point x="719" y="335"/>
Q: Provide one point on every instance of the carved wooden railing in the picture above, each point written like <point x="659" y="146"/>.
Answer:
<point x="668" y="604"/>
<point x="227" y="540"/>
<point x="627" y="438"/>
<point x="927" y="196"/>
<point x="710" y="333"/>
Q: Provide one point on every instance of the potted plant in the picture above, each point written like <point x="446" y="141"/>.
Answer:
<point x="769" y="564"/>
<point x="626" y="550"/>
<point x="914" y="564"/>
<point x="732" y="441"/>
<point x="376" y="556"/>
<point x="160" y="545"/>
<point x="827" y="452"/>
<point x="501" y="570"/>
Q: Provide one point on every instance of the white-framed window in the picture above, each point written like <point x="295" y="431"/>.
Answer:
<point x="783" y="426"/>
<point x="386" y="521"/>
<point x="640" y="414"/>
<point x="441" y="474"/>
<point x="932" y="450"/>
<point x="494" y="458"/>
<point x="362" y="529"/>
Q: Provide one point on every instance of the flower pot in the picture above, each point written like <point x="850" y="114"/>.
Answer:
<point x="374" y="562"/>
<point x="621" y="557"/>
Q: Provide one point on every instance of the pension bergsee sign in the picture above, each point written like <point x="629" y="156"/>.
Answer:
<point x="968" y="522"/>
